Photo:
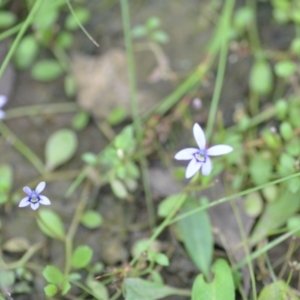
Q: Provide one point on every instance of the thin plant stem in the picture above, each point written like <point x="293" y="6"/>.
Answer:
<point x="40" y="109"/>
<point x="73" y="228"/>
<point x="19" y="36"/>
<point x="236" y="195"/>
<point x="225" y="21"/>
<point x="135" y="110"/>
<point x="80" y="25"/>
<point x="246" y="246"/>
<point x="22" y="148"/>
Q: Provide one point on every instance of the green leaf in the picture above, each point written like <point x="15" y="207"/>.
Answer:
<point x="28" y="48"/>
<point x="243" y="18"/>
<point x="261" y="77"/>
<point x="98" y="289"/>
<point x="277" y="291"/>
<point x="53" y="275"/>
<point x="7" y="278"/>
<point x="285" y="68"/>
<point x="139" y="31"/>
<point x="197" y="236"/>
<point x="65" y="39"/>
<point x="89" y="158"/>
<point x="7" y="19"/>
<point x="286" y="130"/>
<point x="91" y="219"/>
<point x="47" y="15"/>
<point x="137" y="289"/>
<point x="167" y="205"/>
<point x="293" y="185"/>
<point x="293" y="223"/>
<point x="281" y="108"/>
<point x="276" y="214"/>
<point x="80" y="120"/>
<point x="66" y="286"/>
<point x="117" y="116"/>
<point x="82" y="257"/>
<point x="70" y="86"/>
<point x="60" y="147"/>
<point x="160" y="37"/>
<point x="253" y="204"/>
<point x="220" y="288"/>
<point x="50" y="224"/>
<point x="260" y="168"/>
<point x="46" y="70"/>
<point x="82" y="15"/>
<point x="153" y="23"/>
<point x="159" y="258"/>
<point x="50" y="290"/>
<point x="118" y="188"/>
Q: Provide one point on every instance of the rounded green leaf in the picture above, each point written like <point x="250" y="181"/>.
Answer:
<point x="6" y="178"/>
<point x="261" y="77"/>
<point x="53" y="275"/>
<point x="285" y="68"/>
<point x="118" y="188"/>
<point x="153" y="23"/>
<point x="253" y="204"/>
<point x="50" y="290"/>
<point x="80" y="120"/>
<point x="117" y="116"/>
<point x="261" y="168"/>
<point x="243" y="18"/>
<point x="294" y="223"/>
<point x="50" y="224"/>
<point x="295" y="46"/>
<point x="70" y="86"/>
<point x="91" y="219"/>
<point x="286" y="130"/>
<point x="81" y="257"/>
<point x="65" y="39"/>
<point x="281" y="108"/>
<point x="60" y="147"/>
<point x="160" y="37"/>
<point x="28" y="48"/>
<point x="138" y="31"/>
<point x="7" y="19"/>
<point x="46" y="70"/>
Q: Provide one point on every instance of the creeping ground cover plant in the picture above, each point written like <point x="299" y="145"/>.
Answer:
<point x="118" y="220"/>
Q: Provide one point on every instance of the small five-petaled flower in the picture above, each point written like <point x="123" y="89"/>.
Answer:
<point x="3" y="101"/>
<point x="200" y="157"/>
<point x="34" y="199"/>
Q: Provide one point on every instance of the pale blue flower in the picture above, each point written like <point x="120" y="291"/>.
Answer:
<point x="200" y="157"/>
<point x="3" y="101"/>
<point x="34" y="199"/>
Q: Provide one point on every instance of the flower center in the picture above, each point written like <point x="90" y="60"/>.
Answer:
<point x="34" y="198"/>
<point x="201" y="155"/>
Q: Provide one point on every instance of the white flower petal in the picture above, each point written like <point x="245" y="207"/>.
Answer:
<point x="24" y="202"/>
<point x="34" y="206"/>
<point x="27" y="190"/>
<point x="219" y="150"/>
<point x="206" y="167"/>
<point x="186" y="154"/>
<point x="2" y="114"/>
<point x="192" y="168"/>
<point x="199" y="136"/>
<point x="3" y="100"/>
<point x="44" y="200"/>
<point x="40" y="187"/>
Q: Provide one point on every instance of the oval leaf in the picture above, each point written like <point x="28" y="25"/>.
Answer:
<point x="53" y="275"/>
<point x="91" y="219"/>
<point x="28" y="48"/>
<point x="50" y="224"/>
<point x="60" y="147"/>
<point x="261" y="77"/>
<point x="46" y="70"/>
<point x="118" y="189"/>
<point x="277" y="291"/>
<point x="197" y="236"/>
<point x="81" y="257"/>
